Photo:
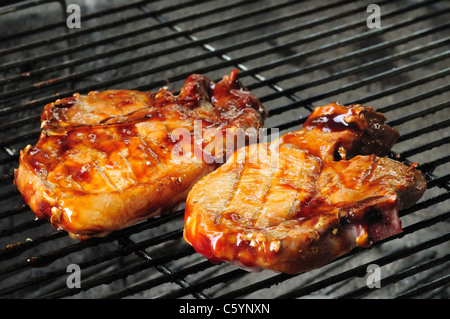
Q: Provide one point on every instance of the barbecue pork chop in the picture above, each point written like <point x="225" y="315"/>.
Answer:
<point x="109" y="159"/>
<point x="306" y="198"/>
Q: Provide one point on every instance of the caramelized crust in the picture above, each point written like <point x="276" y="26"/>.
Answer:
<point x="109" y="159"/>
<point x="308" y="197"/>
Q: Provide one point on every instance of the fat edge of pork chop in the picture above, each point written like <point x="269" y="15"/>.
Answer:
<point x="106" y="160"/>
<point x="305" y="199"/>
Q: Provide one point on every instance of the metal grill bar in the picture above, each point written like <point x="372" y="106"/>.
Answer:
<point x="161" y="280"/>
<point x="174" y="49"/>
<point x="116" y="38"/>
<point x="54" y="255"/>
<point x="56" y="25"/>
<point x="427" y="287"/>
<point x="51" y="256"/>
<point x="338" y="59"/>
<point x="148" y="262"/>
<point x="375" y="78"/>
<point x="324" y="80"/>
<point x="304" y="40"/>
<point x="426" y="147"/>
<point x="358" y="293"/>
<point x="227" y="49"/>
<point x="129" y="61"/>
<point x="12" y="5"/>
<point x="362" y="269"/>
<point x="406" y="102"/>
<point x="168" y="272"/>
<point x="366" y="66"/>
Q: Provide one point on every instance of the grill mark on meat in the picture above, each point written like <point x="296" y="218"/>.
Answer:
<point x="69" y="176"/>
<point x="313" y="208"/>
<point x="251" y="186"/>
<point x="149" y="151"/>
<point x="238" y="180"/>
<point x="130" y="168"/>
<point x="105" y="176"/>
<point x="264" y="197"/>
<point x="306" y="188"/>
<point x="237" y="169"/>
<point x="104" y="160"/>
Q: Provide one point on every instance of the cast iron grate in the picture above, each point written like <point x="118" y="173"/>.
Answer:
<point x="294" y="55"/>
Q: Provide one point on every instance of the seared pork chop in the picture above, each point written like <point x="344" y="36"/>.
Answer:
<point x="109" y="159"/>
<point x="306" y="198"/>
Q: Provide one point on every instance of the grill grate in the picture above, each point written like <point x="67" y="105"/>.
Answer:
<point x="294" y="55"/>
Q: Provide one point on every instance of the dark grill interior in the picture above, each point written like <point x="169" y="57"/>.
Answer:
<point x="294" y="55"/>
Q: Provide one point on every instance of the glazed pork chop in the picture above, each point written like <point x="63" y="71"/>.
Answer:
<point x="109" y="159"/>
<point x="303" y="200"/>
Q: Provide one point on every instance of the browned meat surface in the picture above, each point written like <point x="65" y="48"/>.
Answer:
<point x="109" y="159"/>
<point x="306" y="198"/>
